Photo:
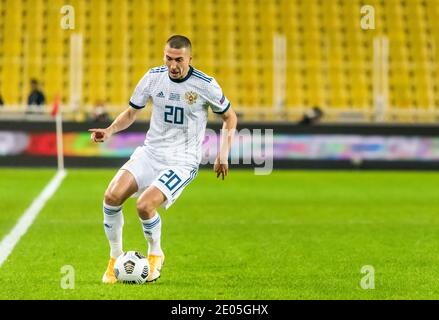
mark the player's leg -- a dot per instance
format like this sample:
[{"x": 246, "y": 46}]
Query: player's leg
[
  {"x": 147, "y": 205},
  {"x": 163, "y": 191},
  {"x": 120, "y": 188}
]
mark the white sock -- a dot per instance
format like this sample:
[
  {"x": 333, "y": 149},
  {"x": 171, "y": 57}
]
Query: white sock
[
  {"x": 113, "y": 224},
  {"x": 152, "y": 229}
]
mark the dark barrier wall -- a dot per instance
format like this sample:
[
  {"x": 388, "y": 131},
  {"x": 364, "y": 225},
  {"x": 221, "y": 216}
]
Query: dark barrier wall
[{"x": 288, "y": 145}]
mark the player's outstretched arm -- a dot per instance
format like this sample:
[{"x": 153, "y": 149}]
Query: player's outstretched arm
[
  {"x": 230, "y": 120},
  {"x": 123, "y": 121}
]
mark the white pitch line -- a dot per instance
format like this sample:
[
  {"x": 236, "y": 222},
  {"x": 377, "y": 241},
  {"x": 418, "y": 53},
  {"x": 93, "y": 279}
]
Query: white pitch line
[{"x": 8, "y": 243}]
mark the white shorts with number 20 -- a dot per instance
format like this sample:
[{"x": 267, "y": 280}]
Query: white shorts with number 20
[{"x": 147, "y": 171}]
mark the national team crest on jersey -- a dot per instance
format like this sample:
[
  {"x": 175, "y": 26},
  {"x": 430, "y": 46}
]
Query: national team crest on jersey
[{"x": 190, "y": 97}]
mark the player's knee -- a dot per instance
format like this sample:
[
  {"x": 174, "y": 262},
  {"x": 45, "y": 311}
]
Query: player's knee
[
  {"x": 112, "y": 198},
  {"x": 145, "y": 208}
]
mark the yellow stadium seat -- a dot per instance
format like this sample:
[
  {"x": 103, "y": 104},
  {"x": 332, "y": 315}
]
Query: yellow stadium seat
[{"x": 328, "y": 58}]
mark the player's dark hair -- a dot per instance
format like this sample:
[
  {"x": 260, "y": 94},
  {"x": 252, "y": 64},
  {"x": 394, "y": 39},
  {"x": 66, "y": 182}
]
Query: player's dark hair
[{"x": 178, "y": 42}]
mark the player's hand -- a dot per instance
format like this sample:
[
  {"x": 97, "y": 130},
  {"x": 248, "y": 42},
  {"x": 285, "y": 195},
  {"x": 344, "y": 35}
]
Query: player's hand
[
  {"x": 99, "y": 135},
  {"x": 221, "y": 168}
]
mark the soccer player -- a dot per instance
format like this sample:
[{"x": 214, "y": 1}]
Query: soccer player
[{"x": 158, "y": 171}]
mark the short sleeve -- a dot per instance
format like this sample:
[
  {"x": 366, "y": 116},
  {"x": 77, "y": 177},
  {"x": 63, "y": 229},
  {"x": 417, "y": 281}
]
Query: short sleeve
[
  {"x": 142, "y": 92},
  {"x": 216, "y": 98}
]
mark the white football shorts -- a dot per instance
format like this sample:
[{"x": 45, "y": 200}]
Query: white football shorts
[{"x": 147, "y": 171}]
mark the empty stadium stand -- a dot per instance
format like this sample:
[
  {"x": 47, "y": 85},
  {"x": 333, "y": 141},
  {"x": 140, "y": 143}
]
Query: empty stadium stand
[{"x": 329, "y": 56}]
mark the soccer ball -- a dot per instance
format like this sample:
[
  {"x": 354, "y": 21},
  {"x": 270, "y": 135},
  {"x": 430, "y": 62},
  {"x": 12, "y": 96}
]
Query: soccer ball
[{"x": 131, "y": 267}]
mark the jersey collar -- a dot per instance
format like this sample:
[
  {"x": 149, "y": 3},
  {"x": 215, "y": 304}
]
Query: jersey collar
[{"x": 189, "y": 73}]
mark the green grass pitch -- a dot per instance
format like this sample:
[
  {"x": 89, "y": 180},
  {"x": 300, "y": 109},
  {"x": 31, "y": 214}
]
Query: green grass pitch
[{"x": 288, "y": 235}]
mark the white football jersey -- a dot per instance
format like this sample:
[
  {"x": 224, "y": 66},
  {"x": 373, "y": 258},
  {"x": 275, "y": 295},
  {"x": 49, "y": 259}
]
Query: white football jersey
[{"x": 179, "y": 113}]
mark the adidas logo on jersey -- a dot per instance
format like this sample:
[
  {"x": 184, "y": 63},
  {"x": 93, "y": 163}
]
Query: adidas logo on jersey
[{"x": 160, "y": 95}]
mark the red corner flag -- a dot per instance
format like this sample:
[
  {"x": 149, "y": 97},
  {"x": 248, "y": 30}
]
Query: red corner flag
[{"x": 55, "y": 107}]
